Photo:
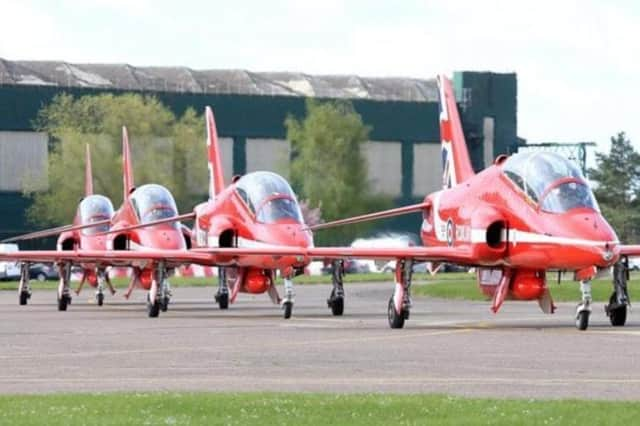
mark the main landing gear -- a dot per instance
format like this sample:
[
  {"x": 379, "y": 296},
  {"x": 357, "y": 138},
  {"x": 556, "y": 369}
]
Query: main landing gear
[
  {"x": 64, "y": 291},
  {"x": 24, "y": 290},
  {"x": 159, "y": 294},
  {"x": 289, "y": 294},
  {"x": 222, "y": 295},
  {"x": 336, "y": 300},
  {"x": 616, "y": 310},
  {"x": 400, "y": 301}
]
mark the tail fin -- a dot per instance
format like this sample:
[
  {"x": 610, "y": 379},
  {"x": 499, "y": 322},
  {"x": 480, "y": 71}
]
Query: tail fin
[
  {"x": 216, "y": 178},
  {"x": 456, "y": 166},
  {"x": 88, "y": 176},
  {"x": 127, "y": 169}
]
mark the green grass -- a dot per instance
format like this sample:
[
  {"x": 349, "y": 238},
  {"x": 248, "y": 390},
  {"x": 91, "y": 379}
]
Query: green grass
[
  {"x": 568, "y": 291},
  {"x": 304, "y": 409},
  {"x": 302, "y": 279}
]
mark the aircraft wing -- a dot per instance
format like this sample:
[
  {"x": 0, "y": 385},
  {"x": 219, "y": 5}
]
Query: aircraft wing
[
  {"x": 433, "y": 254},
  {"x": 207, "y": 256},
  {"x": 630, "y": 250}
]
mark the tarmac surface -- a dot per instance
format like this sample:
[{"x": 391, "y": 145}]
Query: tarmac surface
[{"x": 451, "y": 347}]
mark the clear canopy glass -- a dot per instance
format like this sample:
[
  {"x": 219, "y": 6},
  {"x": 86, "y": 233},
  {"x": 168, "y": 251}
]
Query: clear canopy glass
[
  {"x": 552, "y": 181},
  {"x": 95, "y": 208},
  {"x": 153, "y": 202},
  {"x": 269, "y": 197}
]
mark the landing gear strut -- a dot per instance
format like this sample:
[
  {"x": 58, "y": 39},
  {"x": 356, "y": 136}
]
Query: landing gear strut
[
  {"x": 159, "y": 294},
  {"x": 616, "y": 310},
  {"x": 24, "y": 290},
  {"x": 287, "y": 301},
  {"x": 583, "y": 312},
  {"x": 64, "y": 291},
  {"x": 222, "y": 295},
  {"x": 400, "y": 301},
  {"x": 336, "y": 300}
]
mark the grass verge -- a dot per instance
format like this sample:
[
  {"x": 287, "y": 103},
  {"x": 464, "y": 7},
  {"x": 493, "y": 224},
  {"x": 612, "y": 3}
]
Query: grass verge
[
  {"x": 302, "y": 279},
  {"x": 466, "y": 288},
  {"x": 307, "y": 409}
]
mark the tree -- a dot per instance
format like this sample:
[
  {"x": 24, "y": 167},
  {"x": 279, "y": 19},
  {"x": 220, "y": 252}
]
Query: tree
[
  {"x": 162, "y": 151},
  {"x": 617, "y": 176},
  {"x": 328, "y": 168}
]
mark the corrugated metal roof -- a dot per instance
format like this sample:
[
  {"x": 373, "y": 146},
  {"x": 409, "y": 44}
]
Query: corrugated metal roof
[{"x": 183, "y": 79}]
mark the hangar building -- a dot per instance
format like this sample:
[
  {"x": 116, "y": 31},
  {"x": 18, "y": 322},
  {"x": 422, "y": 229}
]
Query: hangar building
[{"x": 403, "y": 154}]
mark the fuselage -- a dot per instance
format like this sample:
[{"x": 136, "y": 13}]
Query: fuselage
[
  {"x": 259, "y": 210},
  {"x": 510, "y": 222}
]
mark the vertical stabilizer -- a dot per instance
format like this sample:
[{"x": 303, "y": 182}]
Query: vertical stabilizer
[
  {"x": 214, "y": 162},
  {"x": 127, "y": 170},
  {"x": 88, "y": 176},
  {"x": 456, "y": 166}
]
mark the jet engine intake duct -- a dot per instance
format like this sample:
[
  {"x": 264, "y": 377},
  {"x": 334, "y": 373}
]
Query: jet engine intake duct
[
  {"x": 495, "y": 235},
  {"x": 121, "y": 242}
]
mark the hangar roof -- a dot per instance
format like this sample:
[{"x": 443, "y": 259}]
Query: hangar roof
[{"x": 187, "y": 80}]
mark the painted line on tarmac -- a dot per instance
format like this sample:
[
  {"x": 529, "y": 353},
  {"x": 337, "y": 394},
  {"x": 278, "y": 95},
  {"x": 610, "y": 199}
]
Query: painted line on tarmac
[{"x": 279, "y": 381}]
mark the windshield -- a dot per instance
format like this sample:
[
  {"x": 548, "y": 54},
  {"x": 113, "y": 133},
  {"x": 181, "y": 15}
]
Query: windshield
[
  {"x": 550, "y": 180},
  {"x": 153, "y": 202},
  {"x": 95, "y": 208},
  {"x": 269, "y": 197}
]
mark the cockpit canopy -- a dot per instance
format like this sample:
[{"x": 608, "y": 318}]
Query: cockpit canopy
[
  {"x": 550, "y": 180},
  {"x": 95, "y": 208},
  {"x": 269, "y": 197},
  {"x": 153, "y": 202}
]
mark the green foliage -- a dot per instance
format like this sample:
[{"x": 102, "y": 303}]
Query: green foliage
[
  {"x": 163, "y": 151},
  {"x": 304, "y": 409},
  {"x": 618, "y": 187},
  {"x": 329, "y": 169}
]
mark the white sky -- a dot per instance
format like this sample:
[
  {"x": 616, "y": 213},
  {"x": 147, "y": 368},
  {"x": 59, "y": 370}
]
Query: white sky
[{"x": 578, "y": 62}]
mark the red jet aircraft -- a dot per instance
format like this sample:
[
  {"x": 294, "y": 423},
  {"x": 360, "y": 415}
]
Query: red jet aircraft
[
  {"x": 92, "y": 217},
  {"x": 248, "y": 229},
  {"x": 517, "y": 219}
]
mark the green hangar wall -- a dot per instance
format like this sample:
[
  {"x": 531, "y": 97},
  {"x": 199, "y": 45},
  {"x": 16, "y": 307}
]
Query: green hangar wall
[{"x": 403, "y": 153}]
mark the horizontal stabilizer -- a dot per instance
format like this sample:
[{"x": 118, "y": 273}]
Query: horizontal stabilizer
[{"x": 414, "y": 208}]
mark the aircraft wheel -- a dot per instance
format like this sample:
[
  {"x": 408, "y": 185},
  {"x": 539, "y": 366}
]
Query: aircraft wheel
[
  {"x": 100, "y": 299},
  {"x": 164, "y": 305},
  {"x": 153, "y": 309},
  {"x": 24, "y": 298},
  {"x": 223, "y": 300},
  {"x": 582, "y": 320},
  {"x": 396, "y": 320},
  {"x": 337, "y": 306},
  {"x": 63, "y": 302},
  {"x": 288, "y": 309},
  {"x": 617, "y": 316}
]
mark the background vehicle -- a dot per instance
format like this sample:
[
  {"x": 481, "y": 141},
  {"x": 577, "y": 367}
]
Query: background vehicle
[
  {"x": 9, "y": 270},
  {"x": 43, "y": 272}
]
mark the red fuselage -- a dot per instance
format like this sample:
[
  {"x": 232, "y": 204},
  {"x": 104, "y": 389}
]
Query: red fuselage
[{"x": 503, "y": 226}]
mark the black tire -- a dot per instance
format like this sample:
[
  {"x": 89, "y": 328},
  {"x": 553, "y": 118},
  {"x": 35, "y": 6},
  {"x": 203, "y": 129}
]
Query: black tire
[
  {"x": 223, "y": 300},
  {"x": 288, "y": 309},
  {"x": 153, "y": 309},
  {"x": 337, "y": 306},
  {"x": 582, "y": 320},
  {"x": 617, "y": 316},
  {"x": 396, "y": 320},
  {"x": 24, "y": 298},
  {"x": 164, "y": 305},
  {"x": 63, "y": 302},
  {"x": 100, "y": 299}
]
